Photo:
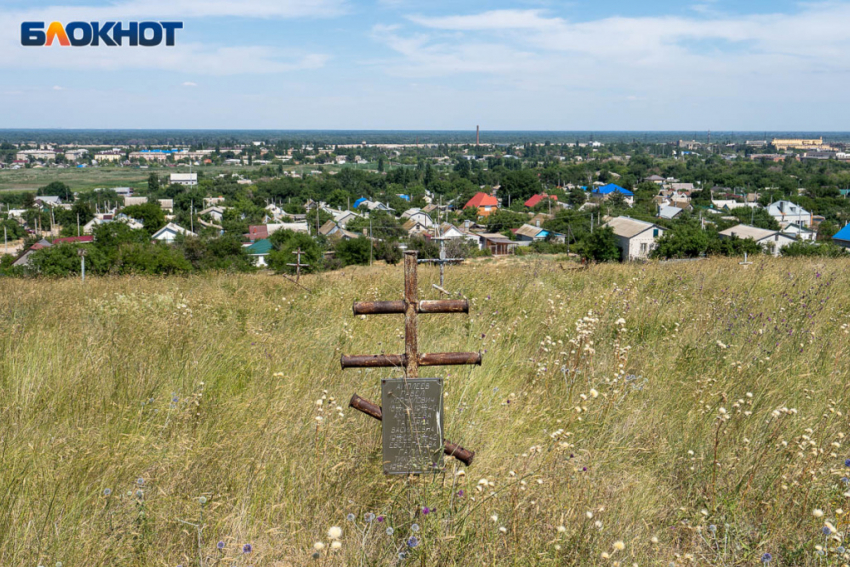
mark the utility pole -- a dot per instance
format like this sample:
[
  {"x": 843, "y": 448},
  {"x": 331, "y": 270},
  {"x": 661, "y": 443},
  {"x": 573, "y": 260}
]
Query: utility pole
[
  {"x": 371, "y": 242},
  {"x": 192, "y": 215},
  {"x": 5, "y": 241},
  {"x": 78, "y": 224}
]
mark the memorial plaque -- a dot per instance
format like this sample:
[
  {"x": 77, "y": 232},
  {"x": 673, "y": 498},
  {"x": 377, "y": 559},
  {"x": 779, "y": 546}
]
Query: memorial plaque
[{"x": 412, "y": 424}]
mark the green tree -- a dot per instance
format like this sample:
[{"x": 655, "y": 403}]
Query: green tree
[
  {"x": 600, "y": 246},
  {"x": 149, "y": 214},
  {"x": 284, "y": 253},
  {"x": 57, "y": 189},
  {"x": 153, "y": 184},
  {"x": 519, "y": 185},
  {"x": 353, "y": 252},
  {"x": 684, "y": 240},
  {"x": 152, "y": 259},
  {"x": 576, "y": 198}
]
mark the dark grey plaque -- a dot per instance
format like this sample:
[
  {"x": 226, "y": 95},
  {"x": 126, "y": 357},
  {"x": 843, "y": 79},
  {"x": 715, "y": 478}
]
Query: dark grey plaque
[{"x": 412, "y": 424}]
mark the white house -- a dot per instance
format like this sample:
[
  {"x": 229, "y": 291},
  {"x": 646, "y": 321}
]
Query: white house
[
  {"x": 635, "y": 238},
  {"x": 170, "y": 231},
  {"x": 48, "y": 200},
  {"x": 798, "y": 231},
  {"x": 215, "y": 213},
  {"x": 187, "y": 179},
  {"x": 419, "y": 216},
  {"x": 732, "y": 204},
  {"x": 98, "y": 220},
  {"x": 771, "y": 240},
  {"x": 669, "y": 212},
  {"x": 786, "y": 211},
  {"x": 344, "y": 217}
]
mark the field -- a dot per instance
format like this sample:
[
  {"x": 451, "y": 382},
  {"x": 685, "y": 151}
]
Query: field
[
  {"x": 661, "y": 414},
  {"x": 96, "y": 177}
]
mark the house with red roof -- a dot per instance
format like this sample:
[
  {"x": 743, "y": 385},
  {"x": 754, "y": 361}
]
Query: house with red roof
[
  {"x": 485, "y": 204},
  {"x": 74, "y": 239},
  {"x": 537, "y": 199}
]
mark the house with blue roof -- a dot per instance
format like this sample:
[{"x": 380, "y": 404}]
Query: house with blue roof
[
  {"x": 607, "y": 191},
  {"x": 360, "y": 201},
  {"x": 842, "y": 238}
]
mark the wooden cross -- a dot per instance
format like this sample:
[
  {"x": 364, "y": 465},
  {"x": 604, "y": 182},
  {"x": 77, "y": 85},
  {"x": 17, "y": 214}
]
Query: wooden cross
[
  {"x": 442, "y": 261},
  {"x": 411, "y": 360},
  {"x": 298, "y": 265}
]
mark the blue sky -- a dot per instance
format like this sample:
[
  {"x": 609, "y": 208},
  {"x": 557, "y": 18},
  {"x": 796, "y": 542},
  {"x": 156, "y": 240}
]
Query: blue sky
[{"x": 404, "y": 64}]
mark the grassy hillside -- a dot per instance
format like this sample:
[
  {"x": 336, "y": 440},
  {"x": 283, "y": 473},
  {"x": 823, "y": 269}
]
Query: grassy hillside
[{"x": 685, "y": 413}]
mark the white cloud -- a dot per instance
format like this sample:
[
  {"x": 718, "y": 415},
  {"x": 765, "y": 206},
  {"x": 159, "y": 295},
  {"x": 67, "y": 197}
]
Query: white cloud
[
  {"x": 190, "y": 84},
  {"x": 185, "y": 9},
  {"x": 194, "y": 57},
  {"x": 58, "y": 88},
  {"x": 666, "y": 50}
]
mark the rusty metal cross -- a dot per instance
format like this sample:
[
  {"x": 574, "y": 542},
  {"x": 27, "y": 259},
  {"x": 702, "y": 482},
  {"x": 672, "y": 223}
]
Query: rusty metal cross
[{"x": 411, "y": 360}]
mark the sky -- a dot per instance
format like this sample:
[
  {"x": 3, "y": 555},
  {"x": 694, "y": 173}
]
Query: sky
[{"x": 752, "y": 65}]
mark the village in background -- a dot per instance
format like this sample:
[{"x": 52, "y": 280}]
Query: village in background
[{"x": 147, "y": 207}]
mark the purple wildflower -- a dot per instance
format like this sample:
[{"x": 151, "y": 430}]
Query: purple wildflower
[
  {"x": 766, "y": 558},
  {"x": 247, "y": 548},
  {"x": 380, "y": 519},
  {"x": 412, "y": 541},
  {"x": 220, "y": 545},
  {"x": 426, "y": 511}
]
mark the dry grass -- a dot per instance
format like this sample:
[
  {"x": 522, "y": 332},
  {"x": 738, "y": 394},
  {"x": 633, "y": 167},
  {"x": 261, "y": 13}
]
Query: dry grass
[{"x": 722, "y": 431}]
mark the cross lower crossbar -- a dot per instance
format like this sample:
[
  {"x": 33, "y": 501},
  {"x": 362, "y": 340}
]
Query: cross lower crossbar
[
  {"x": 399, "y": 307},
  {"x": 400, "y": 360},
  {"x": 373, "y": 410}
]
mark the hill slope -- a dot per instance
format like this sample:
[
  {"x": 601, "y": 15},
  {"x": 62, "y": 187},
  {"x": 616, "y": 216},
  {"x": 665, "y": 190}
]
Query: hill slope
[{"x": 701, "y": 404}]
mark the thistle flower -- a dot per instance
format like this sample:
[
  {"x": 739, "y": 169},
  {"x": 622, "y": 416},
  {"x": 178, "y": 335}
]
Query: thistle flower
[
  {"x": 414, "y": 528},
  {"x": 336, "y": 545},
  {"x": 412, "y": 541},
  {"x": 825, "y": 530},
  {"x": 350, "y": 517},
  {"x": 369, "y": 517},
  {"x": 426, "y": 511},
  {"x": 847, "y": 462},
  {"x": 247, "y": 548},
  {"x": 220, "y": 545},
  {"x": 334, "y": 532},
  {"x": 318, "y": 546},
  {"x": 107, "y": 491},
  {"x": 390, "y": 531},
  {"x": 766, "y": 558},
  {"x": 619, "y": 545},
  {"x": 140, "y": 481}
]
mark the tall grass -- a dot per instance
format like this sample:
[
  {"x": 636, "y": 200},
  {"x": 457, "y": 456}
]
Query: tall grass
[{"x": 693, "y": 413}]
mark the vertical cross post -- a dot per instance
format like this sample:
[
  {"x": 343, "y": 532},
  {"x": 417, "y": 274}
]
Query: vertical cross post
[
  {"x": 298, "y": 264},
  {"x": 411, "y": 303}
]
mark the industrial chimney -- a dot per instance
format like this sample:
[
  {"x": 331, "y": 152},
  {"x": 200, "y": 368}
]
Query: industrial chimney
[{"x": 477, "y": 135}]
